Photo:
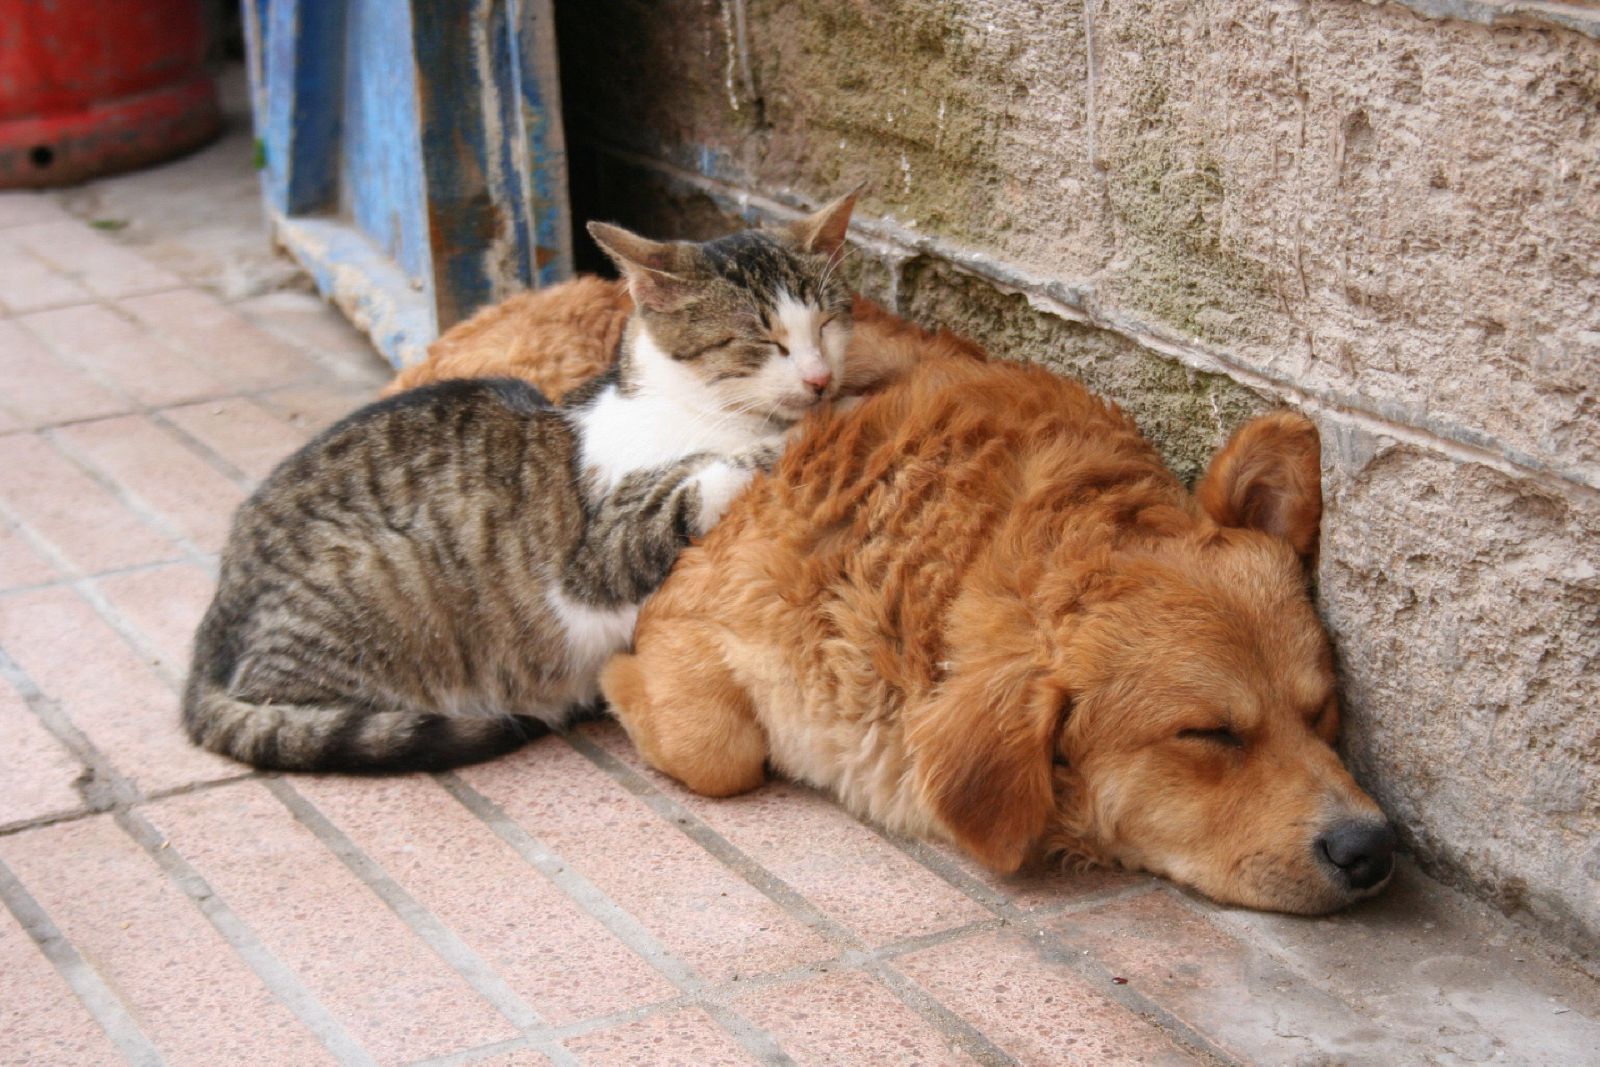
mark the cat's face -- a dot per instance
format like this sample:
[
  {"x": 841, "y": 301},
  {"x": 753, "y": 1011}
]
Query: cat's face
[
  {"x": 761, "y": 319},
  {"x": 766, "y": 326}
]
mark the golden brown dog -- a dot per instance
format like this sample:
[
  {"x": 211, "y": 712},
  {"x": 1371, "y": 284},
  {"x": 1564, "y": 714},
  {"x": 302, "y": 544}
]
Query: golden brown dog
[
  {"x": 980, "y": 608},
  {"x": 560, "y": 337}
]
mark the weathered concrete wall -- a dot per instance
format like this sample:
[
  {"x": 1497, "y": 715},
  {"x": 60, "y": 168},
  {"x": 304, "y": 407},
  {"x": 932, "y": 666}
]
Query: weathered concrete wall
[{"x": 1385, "y": 216}]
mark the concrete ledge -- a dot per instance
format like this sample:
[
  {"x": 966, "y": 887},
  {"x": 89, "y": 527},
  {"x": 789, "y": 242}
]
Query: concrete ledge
[{"x": 1583, "y": 18}]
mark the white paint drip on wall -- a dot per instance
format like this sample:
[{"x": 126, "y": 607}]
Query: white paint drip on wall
[{"x": 733, "y": 54}]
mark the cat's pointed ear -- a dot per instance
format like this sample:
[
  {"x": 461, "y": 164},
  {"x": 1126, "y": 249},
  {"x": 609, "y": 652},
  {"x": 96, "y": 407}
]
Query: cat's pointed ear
[
  {"x": 824, "y": 231},
  {"x": 656, "y": 271}
]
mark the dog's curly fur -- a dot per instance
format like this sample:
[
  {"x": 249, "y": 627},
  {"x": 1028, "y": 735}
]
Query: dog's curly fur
[{"x": 980, "y": 608}]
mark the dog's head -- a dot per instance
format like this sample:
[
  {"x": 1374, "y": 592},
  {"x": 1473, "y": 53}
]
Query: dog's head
[{"x": 1164, "y": 700}]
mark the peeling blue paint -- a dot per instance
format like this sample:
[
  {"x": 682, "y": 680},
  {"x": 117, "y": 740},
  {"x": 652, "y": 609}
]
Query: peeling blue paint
[
  {"x": 381, "y": 186},
  {"x": 544, "y": 149},
  {"x": 300, "y": 133},
  {"x": 418, "y": 143},
  {"x": 361, "y": 279}
]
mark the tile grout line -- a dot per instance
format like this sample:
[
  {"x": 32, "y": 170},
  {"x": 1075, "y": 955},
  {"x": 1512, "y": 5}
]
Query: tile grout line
[
  {"x": 1090, "y": 969},
  {"x": 77, "y": 276},
  {"x": 279, "y": 980},
  {"x": 87, "y": 588},
  {"x": 588, "y": 896},
  {"x": 202, "y": 451},
  {"x": 183, "y": 352},
  {"x": 79, "y": 814},
  {"x": 841, "y": 964},
  {"x": 1052, "y": 948},
  {"x": 14, "y": 314},
  {"x": 101, "y": 787},
  {"x": 710, "y": 994},
  {"x": 131, "y": 635},
  {"x": 951, "y": 1025},
  {"x": 315, "y": 363},
  {"x": 66, "y": 581},
  {"x": 142, "y": 509},
  {"x": 422, "y": 923},
  {"x": 103, "y": 1005},
  {"x": 995, "y": 901},
  {"x": 612, "y": 916},
  {"x": 261, "y": 395},
  {"x": 109, "y": 304},
  {"x": 70, "y": 571},
  {"x": 121, "y": 798}
]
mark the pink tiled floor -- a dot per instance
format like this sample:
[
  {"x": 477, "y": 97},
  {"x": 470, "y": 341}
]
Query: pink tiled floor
[{"x": 564, "y": 904}]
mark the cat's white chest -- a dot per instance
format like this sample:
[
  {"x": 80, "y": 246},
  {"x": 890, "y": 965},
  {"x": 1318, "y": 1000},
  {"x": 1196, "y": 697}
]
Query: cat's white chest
[
  {"x": 623, "y": 434},
  {"x": 668, "y": 412}
]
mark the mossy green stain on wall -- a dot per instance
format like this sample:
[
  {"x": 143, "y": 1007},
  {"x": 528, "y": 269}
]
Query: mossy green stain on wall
[
  {"x": 1168, "y": 196},
  {"x": 892, "y": 93},
  {"x": 1186, "y": 413}
]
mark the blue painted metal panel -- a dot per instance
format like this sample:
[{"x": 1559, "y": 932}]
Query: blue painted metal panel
[
  {"x": 381, "y": 184},
  {"x": 414, "y": 155},
  {"x": 544, "y": 145},
  {"x": 302, "y": 63},
  {"x": 457, "y": 62}
]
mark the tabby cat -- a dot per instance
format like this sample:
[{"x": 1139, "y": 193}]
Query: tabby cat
[{"x": 440, "y": 576}]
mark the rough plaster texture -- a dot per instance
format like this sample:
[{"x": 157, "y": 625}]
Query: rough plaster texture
[{"x": 1385, "y": 214}]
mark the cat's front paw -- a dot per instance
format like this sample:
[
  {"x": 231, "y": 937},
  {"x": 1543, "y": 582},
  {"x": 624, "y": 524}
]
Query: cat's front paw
[
  {"x": 762, "y": 457},
  {"x": 717, "y": 483}
]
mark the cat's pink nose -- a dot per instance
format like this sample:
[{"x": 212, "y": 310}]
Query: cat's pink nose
[{"x": 819, "y": 381}]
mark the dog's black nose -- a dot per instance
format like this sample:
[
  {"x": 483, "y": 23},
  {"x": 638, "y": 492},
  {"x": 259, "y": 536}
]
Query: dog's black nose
[{"x": 1362, "y": 851}]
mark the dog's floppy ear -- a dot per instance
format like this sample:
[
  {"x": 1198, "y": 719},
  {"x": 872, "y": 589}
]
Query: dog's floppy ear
[
  {"x": 983, "y": 752},
  {"x": 1268, "y": 477}
]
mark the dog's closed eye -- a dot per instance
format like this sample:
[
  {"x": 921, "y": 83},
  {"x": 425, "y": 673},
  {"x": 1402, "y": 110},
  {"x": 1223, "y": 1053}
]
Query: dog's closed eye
[{"x": 1220, "y": 735}]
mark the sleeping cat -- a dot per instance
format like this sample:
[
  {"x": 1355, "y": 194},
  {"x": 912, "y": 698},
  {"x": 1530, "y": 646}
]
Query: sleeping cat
[{"x": 440, "y": 576}]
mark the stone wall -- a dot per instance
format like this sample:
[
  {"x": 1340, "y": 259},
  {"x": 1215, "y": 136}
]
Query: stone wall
[{"x": 1387, "y": 215}]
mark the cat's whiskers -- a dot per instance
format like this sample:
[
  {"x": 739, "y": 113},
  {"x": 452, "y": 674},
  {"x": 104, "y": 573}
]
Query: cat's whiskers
[{"x": 730, "y": 414}]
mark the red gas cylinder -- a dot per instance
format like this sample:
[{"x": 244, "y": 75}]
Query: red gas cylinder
[{"x": 93, "y": 86}]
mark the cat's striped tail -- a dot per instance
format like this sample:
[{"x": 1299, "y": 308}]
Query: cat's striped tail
[{"x": 297, "y": 737}]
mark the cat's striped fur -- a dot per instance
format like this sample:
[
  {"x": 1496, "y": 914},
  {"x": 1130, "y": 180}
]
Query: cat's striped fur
[{"x": 440, "y": 576}]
